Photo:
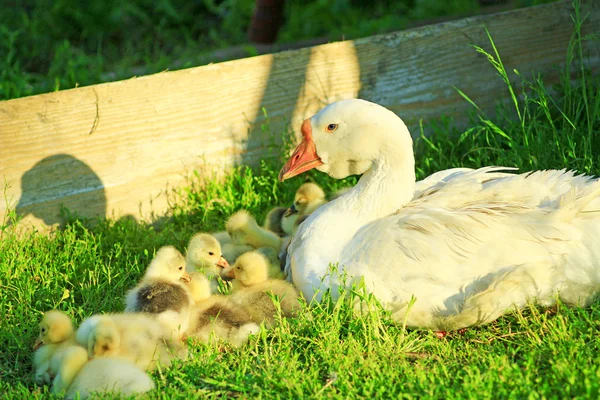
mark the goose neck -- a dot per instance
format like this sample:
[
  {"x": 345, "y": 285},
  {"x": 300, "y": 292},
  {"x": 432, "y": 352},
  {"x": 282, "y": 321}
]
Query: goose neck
[{"x": 387, "y": 186}]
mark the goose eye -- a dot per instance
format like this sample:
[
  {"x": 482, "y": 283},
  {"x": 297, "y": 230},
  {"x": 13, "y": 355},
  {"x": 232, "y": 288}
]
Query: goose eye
[
  {"x": 331, "y": 127},
  {"x": 210, "y": 253}
]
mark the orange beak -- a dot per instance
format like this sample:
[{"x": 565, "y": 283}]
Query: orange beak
[
  {"x": 186, "y": 277},
  {"x": 304, "y": 157},
  {"x": 222, "y": 263},
  {"x": 38, "y": 343}
]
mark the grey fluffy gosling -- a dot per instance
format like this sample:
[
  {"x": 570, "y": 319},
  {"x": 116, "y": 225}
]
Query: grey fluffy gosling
[{"x": 163, "y": 290}]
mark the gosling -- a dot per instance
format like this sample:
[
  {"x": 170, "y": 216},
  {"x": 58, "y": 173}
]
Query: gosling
[
  {"x": 163, "y": 288},
  {"x": 80, "y": 378},
  {"x": 284, "y": 221},
  {"x": 255, "y": 291},
  {"x": 204, "y": 255},
  {"x": 308, "y": 198},
  {"x": 244, "y": 229},
  {"x": 56, "y": 334},
  {"x": 140, "y": 338}
]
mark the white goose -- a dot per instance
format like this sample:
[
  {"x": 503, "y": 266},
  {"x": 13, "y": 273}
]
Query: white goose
[{"x": 468, "y": 244}]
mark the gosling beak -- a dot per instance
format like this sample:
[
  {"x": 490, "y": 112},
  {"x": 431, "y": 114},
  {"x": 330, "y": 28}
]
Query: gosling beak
[
  {"x": 304, "y": 157},
  {"x": 38, "y": 343},
  {"x": 222, "y": 263},
  {"x": 230, "y": 273},
  {"x": 290, "y": 211},
  {"x": 186, "y": 277}
]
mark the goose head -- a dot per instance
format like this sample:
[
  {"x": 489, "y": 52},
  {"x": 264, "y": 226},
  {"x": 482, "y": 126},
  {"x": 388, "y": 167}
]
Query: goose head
[
  {"x": 204, "y": 254},
  {"x": 55, "y": 327},
  {"x": 250, "y": 268},
  {"x": 168, "y": 264},
  {"x": 346, "y": 138}
]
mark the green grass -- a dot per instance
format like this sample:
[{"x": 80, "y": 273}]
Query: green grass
[
  {"x": 49, "y": 46},
  {"x": 326, "y": 352}
]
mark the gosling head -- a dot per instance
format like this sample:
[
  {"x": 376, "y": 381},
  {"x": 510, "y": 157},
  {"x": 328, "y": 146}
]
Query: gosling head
[
  {"x": 204, "y": 255},
  {"x": 105, "y": 338},
  {"x": 168, "y": 264},
  {"x": 307, "y": 197},
  {"x": 250, "y": 268},
  {"x": 55, "y": 327}
]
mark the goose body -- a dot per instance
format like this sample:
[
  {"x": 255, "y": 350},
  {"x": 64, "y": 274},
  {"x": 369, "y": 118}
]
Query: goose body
[{"x": 467, "y": 244}]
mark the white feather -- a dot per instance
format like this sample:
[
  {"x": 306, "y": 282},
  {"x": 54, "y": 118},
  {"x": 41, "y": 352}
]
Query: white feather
[{"x": 468, "y": 244}]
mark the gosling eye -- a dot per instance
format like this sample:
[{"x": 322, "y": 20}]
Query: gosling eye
[
  {"x": 180, "y": 268},
  {"x": 210, "y": 253},
  {"x": 331, "y": 127},
  {"x": 43, "y": 330}
]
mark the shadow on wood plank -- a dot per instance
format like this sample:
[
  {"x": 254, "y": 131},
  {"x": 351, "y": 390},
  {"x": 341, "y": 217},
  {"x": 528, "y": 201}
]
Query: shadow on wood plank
[{"x": 58, "y": 184}]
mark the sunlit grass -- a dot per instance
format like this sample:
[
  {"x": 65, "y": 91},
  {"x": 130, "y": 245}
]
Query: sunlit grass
[{"x": 327, "y": 351}]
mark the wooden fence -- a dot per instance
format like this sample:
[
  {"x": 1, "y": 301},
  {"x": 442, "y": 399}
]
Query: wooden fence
[{"x": 113, "y": 149}]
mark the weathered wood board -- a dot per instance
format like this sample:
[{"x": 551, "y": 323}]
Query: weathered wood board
[{"x": 113, "y": 149}]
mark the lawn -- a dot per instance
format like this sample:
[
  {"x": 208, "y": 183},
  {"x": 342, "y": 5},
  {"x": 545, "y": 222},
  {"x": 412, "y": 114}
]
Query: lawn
[{"x": 88, "y": 266}]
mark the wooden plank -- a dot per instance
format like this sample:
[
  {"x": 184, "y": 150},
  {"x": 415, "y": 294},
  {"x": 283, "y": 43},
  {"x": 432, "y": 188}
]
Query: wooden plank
[{"x": 113, "y": 149}]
